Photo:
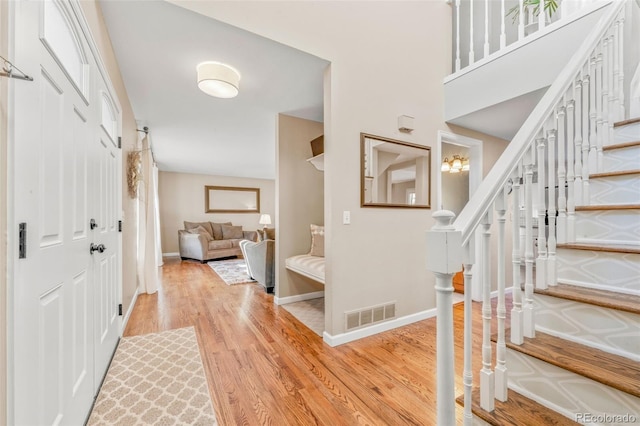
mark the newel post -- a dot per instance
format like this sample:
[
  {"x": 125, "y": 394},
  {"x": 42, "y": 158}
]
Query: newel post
[{"x": 444, "y": 259}]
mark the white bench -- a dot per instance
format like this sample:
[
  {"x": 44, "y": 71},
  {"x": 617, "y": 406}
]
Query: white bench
[{"x": 309, "y": 266}]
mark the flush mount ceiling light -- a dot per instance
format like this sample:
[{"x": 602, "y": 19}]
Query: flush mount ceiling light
[{"x": 218, "y": 79}]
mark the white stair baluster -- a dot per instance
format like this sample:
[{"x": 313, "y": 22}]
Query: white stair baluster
[
  {"x": 469, "y": 260},
  {"x": 541, "y": 260},
  {"x": 501, "y": 310},
  {"x": 560, "y": 235},
  {"x": 615, "y": 91},
  {"x": 529, "y": 320},
  {"x": 604, "y": 79},
  {"x": 578, "y": 142},
  {"x": 593, "y": 152},
  {"x": 621, "y": 112},
  {"x": 611, "y": 110},
  {"x": 589, "y": 165},
  {"x": 486, "y": 28},
  {"x": 521, "y": 20},
  {"x": 458, "y": 35},
  {"x": 517, "y": 323},
  {"x": 588, "y": 132},
  {"x": 487, "y": 381},
  {"x": 503, "y": 34},
  {"x": 550, "y": 279},
  {"x": 471, "y": 53},
  {"x": 570, "y": 231},
  {"x": 541, "y": 16}
]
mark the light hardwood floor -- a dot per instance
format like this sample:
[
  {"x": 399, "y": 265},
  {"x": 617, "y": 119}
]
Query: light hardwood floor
[{"x": 265, "y": 368}]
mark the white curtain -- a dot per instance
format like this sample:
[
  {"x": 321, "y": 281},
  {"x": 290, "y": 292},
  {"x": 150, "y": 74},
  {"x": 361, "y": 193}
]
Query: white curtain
[{"x": 148, "y": 223}]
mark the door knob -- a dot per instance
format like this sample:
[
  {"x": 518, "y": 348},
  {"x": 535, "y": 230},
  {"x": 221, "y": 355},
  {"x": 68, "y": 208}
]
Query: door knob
[{"x": 100, "y": 248}]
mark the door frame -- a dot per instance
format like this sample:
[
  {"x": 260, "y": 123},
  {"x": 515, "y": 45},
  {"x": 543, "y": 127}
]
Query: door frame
[
  {"x": 476, "y": 174},
  {"x": 4, "y": 198}
]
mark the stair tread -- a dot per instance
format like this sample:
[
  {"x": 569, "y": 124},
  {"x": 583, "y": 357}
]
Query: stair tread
[
  {"x": 608, "y": 207},
  {"x": 612, "y": 370},
  {"x": 593, "y": 296},
  {"x": 613, "y": 248},
  {"x": 626, "y": 122},
  {"x": 621, "y": 145},
  {"x": 517, "y": 410},
  {"x": 618, "y": 173}
]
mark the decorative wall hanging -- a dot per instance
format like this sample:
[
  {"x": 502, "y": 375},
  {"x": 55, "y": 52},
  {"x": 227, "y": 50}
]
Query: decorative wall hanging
[{"x": 134, "y": 172}]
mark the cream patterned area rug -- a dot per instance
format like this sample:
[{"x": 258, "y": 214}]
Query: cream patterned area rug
[
  {"x": 233, "y": 271},
  {"x": 155, "y": 379},
  {"x": 309, "y": 312}
]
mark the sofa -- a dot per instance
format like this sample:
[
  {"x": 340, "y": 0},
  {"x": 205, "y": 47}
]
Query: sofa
[{"x": 206, "y": 241}]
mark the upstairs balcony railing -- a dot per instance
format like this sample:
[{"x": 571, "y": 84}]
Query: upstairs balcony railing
[
  {"x": 562, "y": 143},
  {"x": 487, "y": 27}
]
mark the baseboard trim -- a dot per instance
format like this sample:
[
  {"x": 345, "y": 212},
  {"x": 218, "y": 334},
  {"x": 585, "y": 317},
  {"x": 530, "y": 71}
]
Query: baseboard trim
[
  {"x": 171, "y": 254},
  {"x": 298, "y": 298},
  {"x": 350, "y": 336},
  {"x": 125, "y": 320}
]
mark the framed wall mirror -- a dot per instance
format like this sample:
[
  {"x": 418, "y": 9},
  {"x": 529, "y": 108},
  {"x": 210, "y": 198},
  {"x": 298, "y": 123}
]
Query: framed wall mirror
[
  {"x": 230, "y": 199},
  {"x": 394, "y": 173}
]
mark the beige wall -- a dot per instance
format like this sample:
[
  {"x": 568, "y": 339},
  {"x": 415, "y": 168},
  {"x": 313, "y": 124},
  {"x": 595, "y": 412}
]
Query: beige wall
[
  {"x": 300, "y": 200},
  {"x": 388, "y": 58},
  {"x": 182, "y": 198},
  {"x": 98, "y": 29}
]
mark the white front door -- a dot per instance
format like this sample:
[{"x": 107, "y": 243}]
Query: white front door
[
  {"x": 63, "y": 176},
  {"x": 106, "y": 172}
]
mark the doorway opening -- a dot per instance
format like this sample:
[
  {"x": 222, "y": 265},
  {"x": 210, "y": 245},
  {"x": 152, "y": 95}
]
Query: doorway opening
[{"x": 453, "y": 190}]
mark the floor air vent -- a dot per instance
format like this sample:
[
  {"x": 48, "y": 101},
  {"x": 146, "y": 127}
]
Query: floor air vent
[{"x": 371, "y": 315}]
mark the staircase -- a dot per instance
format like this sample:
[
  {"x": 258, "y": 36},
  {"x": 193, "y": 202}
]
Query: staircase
[
  {"x": 568, "y": 184},
  {"x": 584, "y": 361}
]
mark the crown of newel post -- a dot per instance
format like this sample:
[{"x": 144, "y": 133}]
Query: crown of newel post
[
  {"x": 444, "y": 258},
  {"x": 444, "y": 244}
]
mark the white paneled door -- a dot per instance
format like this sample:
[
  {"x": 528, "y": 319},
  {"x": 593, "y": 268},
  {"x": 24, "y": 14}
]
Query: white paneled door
[{"x": 66, "y": 173}]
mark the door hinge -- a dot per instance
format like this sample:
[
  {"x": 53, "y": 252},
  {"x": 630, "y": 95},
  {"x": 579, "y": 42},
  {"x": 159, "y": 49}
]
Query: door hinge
[
  {"x": 119, "y": 141},
  {"x": 22, "y": 240},
  {"x": 120, "y": 309},
  {"x": 119, "y": 226}
]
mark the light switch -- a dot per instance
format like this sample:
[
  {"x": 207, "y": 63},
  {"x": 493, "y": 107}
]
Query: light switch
[{"x": 346, "y": 217}]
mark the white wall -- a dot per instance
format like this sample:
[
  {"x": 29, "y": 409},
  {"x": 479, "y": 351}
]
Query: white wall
[{"x": 182, "y": 199}]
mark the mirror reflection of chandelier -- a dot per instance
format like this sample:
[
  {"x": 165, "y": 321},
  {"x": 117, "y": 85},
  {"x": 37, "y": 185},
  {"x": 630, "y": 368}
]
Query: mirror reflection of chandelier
[{"x": 456, "y": 165}]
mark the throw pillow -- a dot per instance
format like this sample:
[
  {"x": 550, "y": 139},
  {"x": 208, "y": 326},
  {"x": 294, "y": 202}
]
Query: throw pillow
[
  {"x": 317, "y": 240},
  {"x": 271, "y": 233},
  {"x": 205, "y": 225},
  {"x": 230, "y": 232},
  {"x": 201, "y": 230},
  {"x": 217, "y": 229}
]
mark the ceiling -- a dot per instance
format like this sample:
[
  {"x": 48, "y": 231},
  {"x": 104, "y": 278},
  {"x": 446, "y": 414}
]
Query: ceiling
[{"x": 158, "y": 46}]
